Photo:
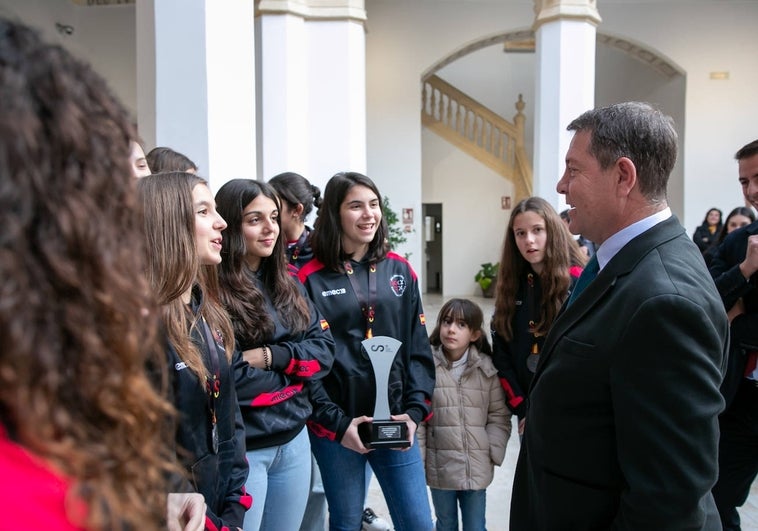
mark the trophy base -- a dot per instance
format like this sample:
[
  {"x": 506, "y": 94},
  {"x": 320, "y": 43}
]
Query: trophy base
[{"x": 384, "y": 434}]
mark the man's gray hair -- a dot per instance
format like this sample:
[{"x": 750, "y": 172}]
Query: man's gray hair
[{"x": 639, "y": 132}]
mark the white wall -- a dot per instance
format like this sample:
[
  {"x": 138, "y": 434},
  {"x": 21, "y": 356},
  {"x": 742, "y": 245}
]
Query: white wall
[
  {"x": 103, "y": 35},
  {"x": 473, "y": 222}
]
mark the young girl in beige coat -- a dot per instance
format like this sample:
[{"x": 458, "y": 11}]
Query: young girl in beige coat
[{"x": 467, "y": 435}]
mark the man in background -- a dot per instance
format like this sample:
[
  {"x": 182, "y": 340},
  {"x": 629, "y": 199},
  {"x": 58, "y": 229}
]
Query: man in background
[{"x": 733, "y": 268}]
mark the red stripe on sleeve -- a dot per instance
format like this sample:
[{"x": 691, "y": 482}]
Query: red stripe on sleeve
[
  {"x": 269, "y": 399},
  {"x": 246, "y": 501},
  {"x": 320, "y": 431},
  {"x": 303, "y": 368},
  {"x": 510, "y": 396},
  {"x": 209, "y": 525}
]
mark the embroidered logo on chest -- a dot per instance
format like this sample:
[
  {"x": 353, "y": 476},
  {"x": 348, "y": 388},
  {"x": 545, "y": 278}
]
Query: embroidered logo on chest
[{"x": 397, "y": 284}]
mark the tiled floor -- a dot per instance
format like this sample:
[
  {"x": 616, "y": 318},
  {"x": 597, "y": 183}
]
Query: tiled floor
[{"x": 499, "y": 492}]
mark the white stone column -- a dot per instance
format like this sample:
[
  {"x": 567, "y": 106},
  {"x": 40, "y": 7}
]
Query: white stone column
[
  {"x": 196, "y": 83},
  {"x": 312, "y": 73},
  {"x": 565, "y": 85}
]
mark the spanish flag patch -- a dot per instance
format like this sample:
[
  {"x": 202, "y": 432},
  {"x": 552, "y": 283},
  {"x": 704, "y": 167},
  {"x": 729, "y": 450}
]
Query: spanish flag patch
[
  {"x": 422, "y": 318},
  {"x": 324, "y": 324}
]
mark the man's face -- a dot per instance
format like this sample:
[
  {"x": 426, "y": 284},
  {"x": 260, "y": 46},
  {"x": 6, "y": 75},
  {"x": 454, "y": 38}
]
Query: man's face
[
  {"x": 589, "y": 191},
  {"x": 748, "y": 171}
]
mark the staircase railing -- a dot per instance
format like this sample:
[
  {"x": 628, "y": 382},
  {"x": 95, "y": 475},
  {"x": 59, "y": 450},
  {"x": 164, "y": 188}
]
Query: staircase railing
[{"x": 480, "y": 132}]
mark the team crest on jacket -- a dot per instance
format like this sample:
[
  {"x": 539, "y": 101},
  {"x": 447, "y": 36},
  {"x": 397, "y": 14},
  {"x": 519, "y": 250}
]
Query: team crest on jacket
[{"x": 397, "y": 283}]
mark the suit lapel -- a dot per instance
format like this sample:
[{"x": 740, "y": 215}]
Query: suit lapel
[{"x": 620, "y": 265}]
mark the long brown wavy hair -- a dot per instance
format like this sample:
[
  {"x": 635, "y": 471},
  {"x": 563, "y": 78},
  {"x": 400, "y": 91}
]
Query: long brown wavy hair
[
  {"x": 76, "y": 322},
  {"x": 554, "y": 278},
  {"x": 174, "y": 267},
  {"x": 253, "y": 325}
]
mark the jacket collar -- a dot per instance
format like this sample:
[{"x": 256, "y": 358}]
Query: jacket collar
[
  {"x": 475, "y": 359},
  {"x": 620, "y": 265}
]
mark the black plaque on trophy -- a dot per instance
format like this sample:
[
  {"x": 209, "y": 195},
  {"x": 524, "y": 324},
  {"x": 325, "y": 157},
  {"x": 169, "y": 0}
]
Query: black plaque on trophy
[{"x": 383, "y": 432}]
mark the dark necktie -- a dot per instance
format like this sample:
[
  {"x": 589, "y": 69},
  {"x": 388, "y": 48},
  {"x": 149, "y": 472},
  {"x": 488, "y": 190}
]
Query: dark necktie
[{"x": 588, "y": 275}]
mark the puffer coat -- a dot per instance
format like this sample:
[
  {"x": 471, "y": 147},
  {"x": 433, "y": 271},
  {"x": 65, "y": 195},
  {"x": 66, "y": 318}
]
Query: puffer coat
[{"x": 466, "y": 437}]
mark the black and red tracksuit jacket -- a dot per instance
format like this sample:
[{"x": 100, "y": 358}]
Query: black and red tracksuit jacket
[
  {"x": 219, "y": 476},
  {"x": 510, "y": 357},
  {"x": 276, "y": 404},
  {"x": 349, "y": 390}
]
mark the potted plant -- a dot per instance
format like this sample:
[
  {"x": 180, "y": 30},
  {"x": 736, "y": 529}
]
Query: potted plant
[{"x": 486, "y": 277}]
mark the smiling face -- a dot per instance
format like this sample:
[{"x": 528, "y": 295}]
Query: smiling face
[
  {"x": 590, "y": 191},
  {"x": 360, "y": 216},
  {"x": 531, "y": 238},
  {"x": 260, "y": 228},
  {"x": 208, "y": 226},
  {"x": 713, "y": 217},
  {"x": 748, "y": 168}
]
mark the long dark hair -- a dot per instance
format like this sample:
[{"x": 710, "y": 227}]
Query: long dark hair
[
  {"x": 239, "y": 292},
  {"x": 555, "y": 277},
  {"x": 470, "y": 313},
  {"x": 721, "y": 218},
  {"x": 326, "y": 238},
  {"x": 77, "y": 322},
  {"x": 295, "y": 189},
  {"x": 739, "y": 211}
]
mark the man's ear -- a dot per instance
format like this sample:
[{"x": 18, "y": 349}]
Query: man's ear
[{"x": 627, "y": 175}]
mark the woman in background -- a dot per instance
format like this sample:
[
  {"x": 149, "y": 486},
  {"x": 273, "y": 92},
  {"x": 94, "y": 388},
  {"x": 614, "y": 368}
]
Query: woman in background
[
  {"x": 164, "y": 159},
  {"x": 298, "y": 199},
  {"x": 183, "y": 234},
  {"x": 137, "y": 160},
  {"x": 706, "y": 234},
  {"x": 536, "y": 274},
  {"x": 737, "y": 218}
]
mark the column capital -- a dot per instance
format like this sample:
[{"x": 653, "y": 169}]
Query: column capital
[
  {"x": 314, "y": 9},
  {"x": 549, "y": 10}
]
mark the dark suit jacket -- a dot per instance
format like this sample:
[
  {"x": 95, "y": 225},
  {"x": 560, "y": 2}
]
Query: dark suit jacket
[
  {"x": 724, "y": 268},
  {"x": 621, "y": 428}
]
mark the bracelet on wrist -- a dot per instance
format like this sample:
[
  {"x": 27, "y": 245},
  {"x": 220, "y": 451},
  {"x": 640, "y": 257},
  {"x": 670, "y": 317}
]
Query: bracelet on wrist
[{"x": 266, "y": 357}]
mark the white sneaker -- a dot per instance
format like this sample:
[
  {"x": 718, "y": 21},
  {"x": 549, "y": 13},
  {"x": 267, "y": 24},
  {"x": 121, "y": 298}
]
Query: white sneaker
[{"x": 371, "y": 522}]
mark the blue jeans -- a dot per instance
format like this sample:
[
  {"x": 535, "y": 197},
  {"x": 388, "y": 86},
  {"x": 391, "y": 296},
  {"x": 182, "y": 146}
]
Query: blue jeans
[
  {"x": 400, "y": 475},
  {"x": 314, "y": 518},
  {"x": 473, "y": 506},
  {"x": 279, "y": 480}
]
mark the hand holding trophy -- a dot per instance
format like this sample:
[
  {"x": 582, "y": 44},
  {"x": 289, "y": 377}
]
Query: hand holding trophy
[{"x": 382, "y": 432}]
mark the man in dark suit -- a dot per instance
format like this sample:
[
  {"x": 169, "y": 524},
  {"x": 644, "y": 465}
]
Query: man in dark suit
[
  {"x": 621, "y": 428},
  {"x": 734, "y": 268}
]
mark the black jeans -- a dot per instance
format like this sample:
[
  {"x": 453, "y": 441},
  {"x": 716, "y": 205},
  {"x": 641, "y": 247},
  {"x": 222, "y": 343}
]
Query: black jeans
[{"x": 738, "y": 454}]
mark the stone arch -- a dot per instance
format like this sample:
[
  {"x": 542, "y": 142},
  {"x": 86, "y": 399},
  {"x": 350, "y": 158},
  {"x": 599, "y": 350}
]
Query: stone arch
[{"x": 521, "y": 38}]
